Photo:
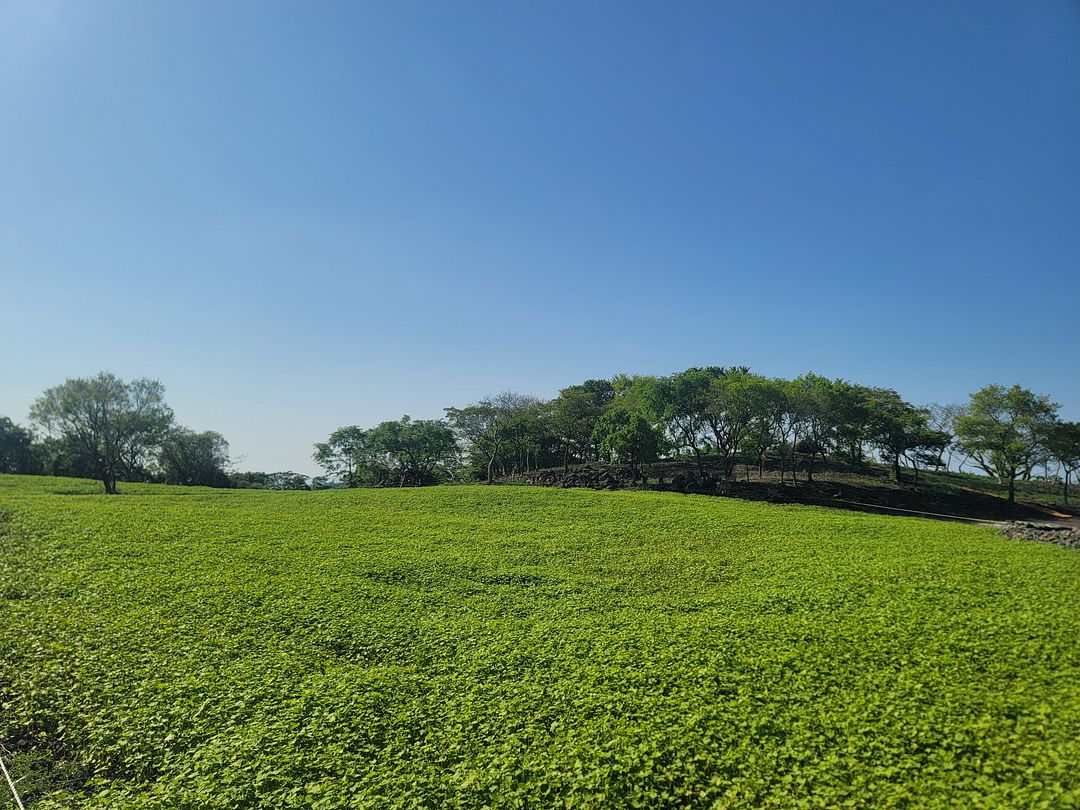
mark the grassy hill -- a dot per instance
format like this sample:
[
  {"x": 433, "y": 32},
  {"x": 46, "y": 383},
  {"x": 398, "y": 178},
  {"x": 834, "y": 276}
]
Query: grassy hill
[{"x": 525, "y": 647}]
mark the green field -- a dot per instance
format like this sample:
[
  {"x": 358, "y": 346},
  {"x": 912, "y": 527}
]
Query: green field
[{"x": 526, "y": 647}]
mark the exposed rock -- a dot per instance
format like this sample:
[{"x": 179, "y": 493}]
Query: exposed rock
[
  {"x": 593, "y": 477},
  {"x": 1043, "y": 533}
]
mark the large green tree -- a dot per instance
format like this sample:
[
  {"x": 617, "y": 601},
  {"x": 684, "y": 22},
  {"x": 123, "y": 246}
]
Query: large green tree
[
  {"x": 816, "y": 416},
  {"x": 728, "y": 411},
  {"x": 402, "y": 452},
  {"x": 627, "y": 437},
  {"x": 529, "y": 437},
  {"x": 900, "y": 430},
  {"x": 1005, "y": 430},
  {"x": 113, "y": 427},
  {"x": 413, "y": 452},
  {"x": 767, "y": 406},
  {"x": 342, "y": 454},
  {"x": 679, "y": 403},
  {"x": 574, "y": 414},
  {"x": 484, "y": 427}
]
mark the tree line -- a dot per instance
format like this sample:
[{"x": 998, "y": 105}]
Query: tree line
[
  {"x": 112, "y": 430},
  {"x": 725, "y": 413}
]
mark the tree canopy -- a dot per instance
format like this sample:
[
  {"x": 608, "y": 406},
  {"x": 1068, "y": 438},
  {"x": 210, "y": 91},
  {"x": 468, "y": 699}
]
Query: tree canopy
[
  {"x": 17, "y": 449},
  {"x": 404, "y": 452},
  {"x": 1005, "y": 430},
  {"x": 113, "y": 427},
  {"x": 194, "y": 459}
]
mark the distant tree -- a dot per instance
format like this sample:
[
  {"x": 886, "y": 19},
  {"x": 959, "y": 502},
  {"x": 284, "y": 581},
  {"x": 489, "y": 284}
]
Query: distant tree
[
  {"x": 574, "y": 414},
  {"x": 287, "y": 479},
  {"x": 113, "y": 427},
  {"x": 284, "y": 480},
  {"x": 792, "y": 428},
  {"x": 728, "y": 411},
  {"x": 816, "y": 416},
  {"x": 194, "y": 459},
  {"x": 249, "y": 480},
  {"x": 415, "y": 453},
  {"x": 900, "y": 430},
  {"x": 1063, "y": 443},
  {"x": 483, "y": 426},
  {"x": 943, "y": 420},
  {"x": 17, "y": 450},
  {"x": 341, "y": 454},
  {"x": 1005, "y": 430},
  {"x": 679, "y": 403},
  {"x": 627, "y": 437},
  {"x": 58, "y": 456},
  {"x": 767, "y": 405},
  {"x": 851, "y": 417},
  {"x": 529, "y": 437}
]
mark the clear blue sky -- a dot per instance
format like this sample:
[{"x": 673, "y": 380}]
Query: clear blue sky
[{"x": 304, "y": 215}]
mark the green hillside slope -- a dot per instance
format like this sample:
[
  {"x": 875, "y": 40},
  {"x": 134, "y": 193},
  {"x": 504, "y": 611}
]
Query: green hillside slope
[{"x": 526, "y": 647}]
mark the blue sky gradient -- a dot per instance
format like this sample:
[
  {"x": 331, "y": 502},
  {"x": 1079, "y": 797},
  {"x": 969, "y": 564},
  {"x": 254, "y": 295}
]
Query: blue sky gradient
[{"x": 300, "y": 216}]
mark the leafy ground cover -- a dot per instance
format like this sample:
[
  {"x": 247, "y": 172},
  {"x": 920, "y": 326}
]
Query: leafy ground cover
[{"x": 526, "y": 647}]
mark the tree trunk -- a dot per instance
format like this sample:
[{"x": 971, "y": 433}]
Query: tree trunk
[
  {"x": 491, "y": 470},
  {"x": 896, "y": 469},
  {"x": 1012, "y": 488},
  {"x": 1066, "y": 487},
  {"x": 700, "y": 463}
]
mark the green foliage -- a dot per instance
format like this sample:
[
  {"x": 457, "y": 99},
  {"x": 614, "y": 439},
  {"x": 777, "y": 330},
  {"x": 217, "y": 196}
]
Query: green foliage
[
  {"x": 405, "y": 452},
  {"x": 768, "y": 403},
  {"x": 112, "y": 427},
  {"x": 1063, "y": 444},
  {"x": 522, "y": 647},
  {"x": 627, "y": 438},
  {"x": 728, "y": 410},
  {"x": 17, "y": 449},
  {"x": 1005, "y": 430},
  {"x": 574, "y": 416},
  {"x": 898, "y": 429},
  {"x": 412, "y": 453},
  {"x": 679, "y": 403},
  {"x": 342, "y": 453},
  {"x": 194, "y": 459},
  {"x": 283, "y": 480},
  {"x": 814, "y": 414},
  {"x": 499, "y": 432}
]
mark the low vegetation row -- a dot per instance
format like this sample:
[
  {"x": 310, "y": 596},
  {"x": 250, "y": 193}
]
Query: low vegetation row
[{"x": 113, "y": 430}]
